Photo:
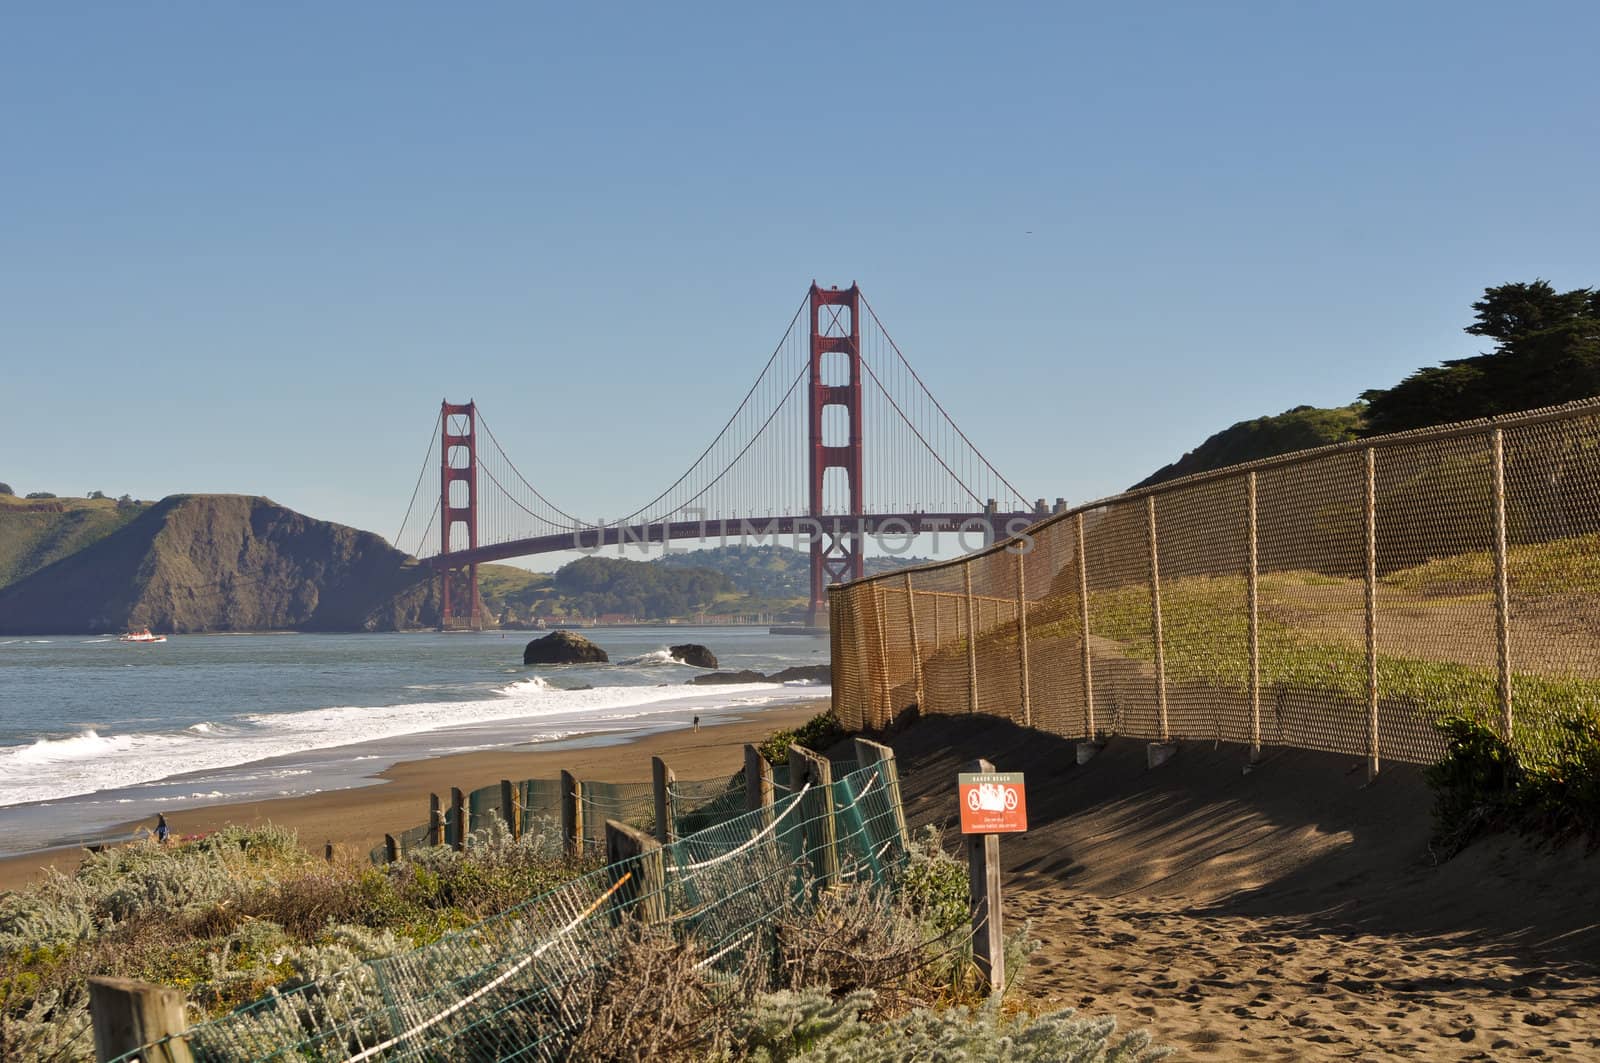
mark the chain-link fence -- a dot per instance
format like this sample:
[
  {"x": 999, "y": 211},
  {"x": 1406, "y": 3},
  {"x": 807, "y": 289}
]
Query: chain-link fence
[{"x": 1340, "y": 599}]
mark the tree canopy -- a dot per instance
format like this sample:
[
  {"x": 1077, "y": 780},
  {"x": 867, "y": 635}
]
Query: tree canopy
[
  {"x": 601, "y": 585},
  {"x": 1546, "y": 351}
]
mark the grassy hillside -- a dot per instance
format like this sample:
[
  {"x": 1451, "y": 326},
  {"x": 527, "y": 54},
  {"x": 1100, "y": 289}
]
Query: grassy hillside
[
  {"x": 1265, "y": 437},
  {"x": 39, "y": 532},
  {"x": 724, "y": 581},
  {"x": 192, "y": 563}
]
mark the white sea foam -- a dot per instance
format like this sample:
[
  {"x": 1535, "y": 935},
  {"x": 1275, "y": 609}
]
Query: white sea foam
[
  {"x": 654, "y": 658},
  {"x": 53, "y": 768}
]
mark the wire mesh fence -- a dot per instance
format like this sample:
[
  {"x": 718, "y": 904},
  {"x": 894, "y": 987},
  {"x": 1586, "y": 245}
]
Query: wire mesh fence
[
  {"x": 519, "y": 985},
  {"x": 1341, "y": 599}
]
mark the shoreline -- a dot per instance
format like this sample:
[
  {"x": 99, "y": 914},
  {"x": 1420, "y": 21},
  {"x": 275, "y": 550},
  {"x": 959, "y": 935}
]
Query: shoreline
[{"x": 355, "y": 819}]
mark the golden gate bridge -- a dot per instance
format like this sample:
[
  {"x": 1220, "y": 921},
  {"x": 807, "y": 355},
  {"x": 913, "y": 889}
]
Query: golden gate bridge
[{"x": 837, "y": 441}]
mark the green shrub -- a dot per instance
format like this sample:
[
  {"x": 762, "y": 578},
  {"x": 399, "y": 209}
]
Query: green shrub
[
  {"x": 1563, "y": 793},
  {"x": 935, "y": 884},
  {"x": 816, "y": 734},
  {"x": 1481, "y": 784},
  {"x": 813, "y": 1027}
]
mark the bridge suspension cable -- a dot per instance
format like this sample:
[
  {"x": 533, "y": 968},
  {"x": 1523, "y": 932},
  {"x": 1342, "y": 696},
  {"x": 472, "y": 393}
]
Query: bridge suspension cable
[
  {"x": 913, "y": 457},
  {"x": 414, "y": 543},
  {"x": 768, "y": 402},
  {"x": 903, "y": 419}
]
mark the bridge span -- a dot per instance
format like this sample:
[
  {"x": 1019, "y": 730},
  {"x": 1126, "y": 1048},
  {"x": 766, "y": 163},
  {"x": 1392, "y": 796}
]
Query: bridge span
[{"x": 839, "y": 440}]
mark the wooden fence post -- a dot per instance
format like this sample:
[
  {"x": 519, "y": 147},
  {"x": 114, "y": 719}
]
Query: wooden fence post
[
  {"x": 129, "y": 1015},
  {"x": 511, "y": 807},
  {"x": 820, "y": 833},
  {"x": 1502, "y": 589},
  {"x": 391, "y": 849},
  {"x": 458, "y": 812},
  {"x": 630, "y": 849},
  {"x": 435, "y": 820},
  {"x": 871, "y": 754},
  {"x": 758, "y": 784},
  {"x": 661, "y": 780},
  {"x": 988, "y": 922},
  {"x": 571, "y": 814},
  {"x": 1372, "y": 612}
]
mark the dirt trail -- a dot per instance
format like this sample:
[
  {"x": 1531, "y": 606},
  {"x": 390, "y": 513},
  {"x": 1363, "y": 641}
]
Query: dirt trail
[{"x": 1291, "y": 912}]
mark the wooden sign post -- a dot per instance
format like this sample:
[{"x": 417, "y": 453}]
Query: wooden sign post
[{"x": 992, "y": 803}]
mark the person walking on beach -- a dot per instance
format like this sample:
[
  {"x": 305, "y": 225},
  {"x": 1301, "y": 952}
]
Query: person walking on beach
[
  {"x": 163, "y": 832},
  {"x": 697, "y": 725}
]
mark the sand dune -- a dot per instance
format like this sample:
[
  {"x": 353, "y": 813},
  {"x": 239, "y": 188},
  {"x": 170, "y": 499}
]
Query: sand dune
[{"x": 1291, "y": 912}]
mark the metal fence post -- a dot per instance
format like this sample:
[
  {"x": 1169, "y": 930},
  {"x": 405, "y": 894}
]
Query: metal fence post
[
  {"x": 1253, "y": 600},
  {"x": 1088, "y": 658},
  {"x": 1502, "y": 588},
  {"x": 1022, "y": 640},
  {"x": 1372, "y": 612},
  {"x": 972, "y": 645},
  {"x": 1155, "y": 620},
  {"x": 916, "y": 643},
  {"x": 883, "y": 658}
]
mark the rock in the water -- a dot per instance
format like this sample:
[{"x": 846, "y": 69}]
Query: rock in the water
[
  {"x": 815, "y": 673},
  {"x": 725, "y": 678},
  {"x": 695, "y": 654},
  {"x": 563, "y": 647}
]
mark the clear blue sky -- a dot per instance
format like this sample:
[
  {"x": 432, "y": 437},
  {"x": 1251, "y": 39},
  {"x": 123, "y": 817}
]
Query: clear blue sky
[{"x": 250, "y": 247}]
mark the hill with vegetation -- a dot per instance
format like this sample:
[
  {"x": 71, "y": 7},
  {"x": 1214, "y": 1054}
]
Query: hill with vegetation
[
  {"x": 195, "y": 563},
  {"x": 721, "y": 581},
  {"x": 1546, "y": 351},
  {"x": 1297, "y": 429},
  {"x": 39, "y": 531}
]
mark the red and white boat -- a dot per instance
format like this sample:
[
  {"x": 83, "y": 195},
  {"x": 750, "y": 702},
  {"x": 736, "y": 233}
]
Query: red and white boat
[{"x": 143, "y": 635}]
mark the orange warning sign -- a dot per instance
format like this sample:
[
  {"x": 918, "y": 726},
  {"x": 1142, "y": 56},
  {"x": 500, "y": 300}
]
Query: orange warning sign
[{"x": 992, "y": 802}]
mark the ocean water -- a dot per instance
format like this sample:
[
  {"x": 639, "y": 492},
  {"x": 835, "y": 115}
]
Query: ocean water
[{"x": 96, "y": 732}]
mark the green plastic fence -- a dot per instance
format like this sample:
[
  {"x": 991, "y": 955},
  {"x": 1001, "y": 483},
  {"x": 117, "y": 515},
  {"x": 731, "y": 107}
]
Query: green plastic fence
[{"x": 508, "y": 988}]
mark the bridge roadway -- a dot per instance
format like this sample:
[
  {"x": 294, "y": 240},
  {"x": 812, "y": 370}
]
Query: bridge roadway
[{"x": 755, "y": 530}]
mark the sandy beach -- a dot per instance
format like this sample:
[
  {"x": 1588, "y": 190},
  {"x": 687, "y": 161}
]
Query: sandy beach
[
  {"x": 355, "y": 820},
  {"x": 1291, "y": 912}
]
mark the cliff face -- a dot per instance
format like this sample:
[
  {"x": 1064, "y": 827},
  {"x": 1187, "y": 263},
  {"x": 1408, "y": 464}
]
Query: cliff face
[{"x": 194, "y": 563}]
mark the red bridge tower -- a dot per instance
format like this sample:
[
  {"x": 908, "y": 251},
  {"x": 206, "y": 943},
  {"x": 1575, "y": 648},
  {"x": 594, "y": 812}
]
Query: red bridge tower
[
  {"x": 458, "y": 463},
  {"x": 836, "y": 553}
]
